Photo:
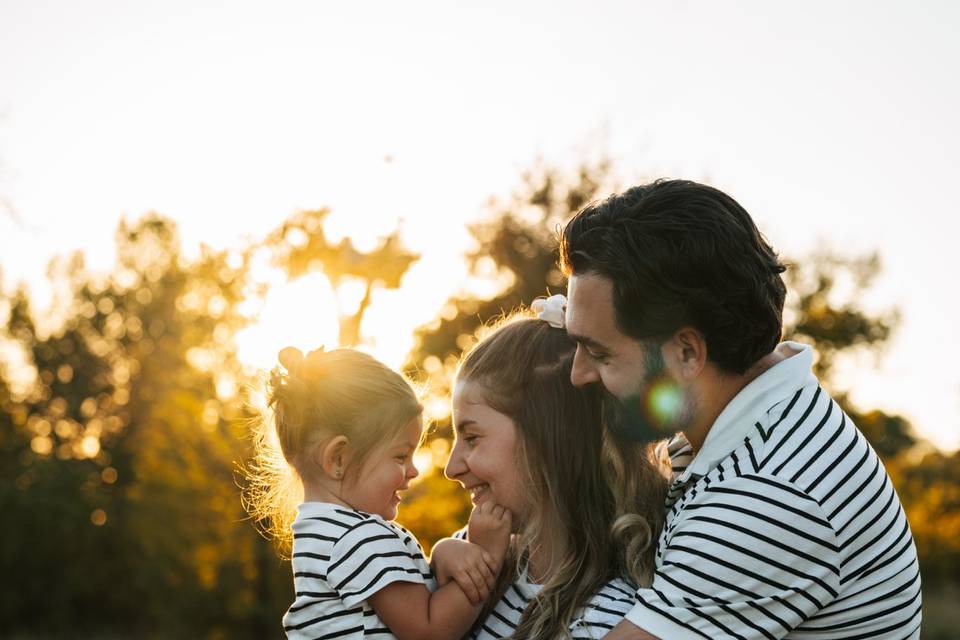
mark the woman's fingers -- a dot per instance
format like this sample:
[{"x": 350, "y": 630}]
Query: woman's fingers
[
  {"x": 485, "y": 572},
  {"x": 489, "y": 563},
  {"x": 483, "y": 591},
  {"x": 469, "y": 587}
]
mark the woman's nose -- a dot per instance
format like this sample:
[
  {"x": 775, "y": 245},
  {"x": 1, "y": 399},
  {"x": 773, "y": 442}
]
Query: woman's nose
[{"x": 455, "y": 464}]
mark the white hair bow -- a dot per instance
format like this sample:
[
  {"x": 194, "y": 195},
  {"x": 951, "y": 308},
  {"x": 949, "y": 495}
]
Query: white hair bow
[{"x": 551, "y": 309}]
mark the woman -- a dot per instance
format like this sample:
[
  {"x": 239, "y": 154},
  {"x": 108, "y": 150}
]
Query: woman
[{"x": 532, "y": 442}]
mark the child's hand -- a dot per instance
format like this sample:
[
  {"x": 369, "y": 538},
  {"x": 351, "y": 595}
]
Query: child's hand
[
  {"x": 468, "y": 565},
  {"x": 490, "y": 526}
]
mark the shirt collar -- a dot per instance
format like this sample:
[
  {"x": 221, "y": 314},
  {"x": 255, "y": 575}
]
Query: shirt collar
[{"x": 736, "y": 420}]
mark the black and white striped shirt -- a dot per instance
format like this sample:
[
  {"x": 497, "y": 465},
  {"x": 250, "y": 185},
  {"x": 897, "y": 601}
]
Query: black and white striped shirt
[
  {"x": 594, "y": 620},
  {"x": 601, "y": 614},
  {"x": 784, "y": 525},
  {"x": 340, "y": 558}
]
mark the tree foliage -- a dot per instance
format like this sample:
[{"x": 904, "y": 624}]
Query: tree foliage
[
  {"x": 516, "y": 251},
  {"x": 300, "y": 246},
  {"x": 120, "y": 456}
]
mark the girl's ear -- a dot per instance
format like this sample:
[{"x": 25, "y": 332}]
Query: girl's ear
[{"x": 333, "y": 457}]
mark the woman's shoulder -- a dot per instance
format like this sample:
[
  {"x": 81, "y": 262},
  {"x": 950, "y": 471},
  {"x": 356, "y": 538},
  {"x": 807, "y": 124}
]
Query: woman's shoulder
[
  {"x": 604, "y": 610},
  {"x": 616, "y": 590}
]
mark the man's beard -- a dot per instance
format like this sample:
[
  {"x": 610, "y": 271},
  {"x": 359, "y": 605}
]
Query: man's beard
[{"x": 656, "y": 410}]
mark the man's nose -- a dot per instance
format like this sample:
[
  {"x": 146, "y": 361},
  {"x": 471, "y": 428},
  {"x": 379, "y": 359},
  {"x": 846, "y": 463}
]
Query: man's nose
[{"x": 582, "y": 371}]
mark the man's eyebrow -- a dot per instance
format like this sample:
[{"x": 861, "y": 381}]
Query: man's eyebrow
[{"x": 587, "y": 342}]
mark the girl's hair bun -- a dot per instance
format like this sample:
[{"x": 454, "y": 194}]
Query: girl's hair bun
[
  {"x": 300, "y": 366},
  {"x": 291, "y": 358}
]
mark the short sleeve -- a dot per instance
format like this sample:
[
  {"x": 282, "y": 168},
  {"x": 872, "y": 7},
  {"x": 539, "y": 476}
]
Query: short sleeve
[
  {"x": 367, "y": 558},
  {"x": 749, "y": 557},
  {"x": 604, "y": 611}
]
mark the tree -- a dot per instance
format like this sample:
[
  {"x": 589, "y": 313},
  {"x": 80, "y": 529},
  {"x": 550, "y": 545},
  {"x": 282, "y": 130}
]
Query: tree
[
  {"x": 825, "y": 308},
  {"x": 123, "y": 453},
  {"x": 515, "y": 248},
  {"x": 300, "y": 246}
]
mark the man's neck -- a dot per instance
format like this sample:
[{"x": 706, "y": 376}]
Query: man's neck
[{"x": 716, "y": 392}]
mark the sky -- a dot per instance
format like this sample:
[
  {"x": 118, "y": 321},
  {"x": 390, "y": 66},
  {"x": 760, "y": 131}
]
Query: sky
[{"x": 834, "y": 124}]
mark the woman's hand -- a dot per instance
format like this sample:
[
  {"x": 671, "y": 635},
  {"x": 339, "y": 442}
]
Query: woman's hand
[{"x": 467, "y": 564}]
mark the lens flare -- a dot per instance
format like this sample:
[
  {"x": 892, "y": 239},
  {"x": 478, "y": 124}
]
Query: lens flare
[
  {"x": 663, "y": 402},
  {"x": 650, "y": 415}
]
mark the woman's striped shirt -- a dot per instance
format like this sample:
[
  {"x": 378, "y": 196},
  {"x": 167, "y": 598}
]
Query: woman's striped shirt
[
  {"x": 340, "y": 558},
  {"x": 603, "y": 611},
  {"x": 601, "y": 614}
]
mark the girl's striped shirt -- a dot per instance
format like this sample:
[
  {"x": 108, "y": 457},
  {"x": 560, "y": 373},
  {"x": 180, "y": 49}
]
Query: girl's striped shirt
[{"x": 340, "y": 558}]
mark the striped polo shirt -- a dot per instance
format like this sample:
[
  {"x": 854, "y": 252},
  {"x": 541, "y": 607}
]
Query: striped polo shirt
[
  {"x": 340, "y": 558},
  {"x": 784, "y": 525}
]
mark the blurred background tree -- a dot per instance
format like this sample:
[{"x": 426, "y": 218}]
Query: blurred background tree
[
  {"x": 119, "y": 454},
  {"x": 299, "y": 246}
]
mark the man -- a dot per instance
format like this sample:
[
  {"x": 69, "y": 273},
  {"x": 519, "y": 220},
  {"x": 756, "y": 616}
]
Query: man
[{"x": 785, "y": 523}]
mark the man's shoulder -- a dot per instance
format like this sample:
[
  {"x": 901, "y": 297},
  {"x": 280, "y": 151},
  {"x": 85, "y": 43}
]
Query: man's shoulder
[
  {"x": 807, "y": 433},
  {"x": 804, "y": 466}
]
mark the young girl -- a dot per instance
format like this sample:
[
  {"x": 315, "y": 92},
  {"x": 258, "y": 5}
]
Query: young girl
[
  {"x": 348, "y": 426},
  {"x": 586, "y": 504}
]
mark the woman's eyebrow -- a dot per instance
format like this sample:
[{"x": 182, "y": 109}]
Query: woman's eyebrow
[{"x": 463, "y": 424}]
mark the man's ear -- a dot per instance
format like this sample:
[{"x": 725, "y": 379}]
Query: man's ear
[
  {"x": 333, "y": 456},
  {"x": 686, "y": 353}
]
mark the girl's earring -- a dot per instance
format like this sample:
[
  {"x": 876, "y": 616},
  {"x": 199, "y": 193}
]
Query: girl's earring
[{"x": 339, "y": 473}]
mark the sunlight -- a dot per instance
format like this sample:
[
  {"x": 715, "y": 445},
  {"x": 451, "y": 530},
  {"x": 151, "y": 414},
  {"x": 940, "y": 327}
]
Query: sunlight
[{"x": 302, "y": 314}]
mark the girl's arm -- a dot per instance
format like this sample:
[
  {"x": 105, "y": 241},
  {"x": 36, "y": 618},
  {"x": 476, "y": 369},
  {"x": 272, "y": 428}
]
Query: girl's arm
[{"x": 412, "y": 612}]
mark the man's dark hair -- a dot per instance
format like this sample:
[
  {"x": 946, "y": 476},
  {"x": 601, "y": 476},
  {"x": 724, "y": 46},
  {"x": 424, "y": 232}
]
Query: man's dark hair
[{"x": 679, "y": 254}]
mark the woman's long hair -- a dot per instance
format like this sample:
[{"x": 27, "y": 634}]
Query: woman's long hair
[{"x": 599, "y": 503}]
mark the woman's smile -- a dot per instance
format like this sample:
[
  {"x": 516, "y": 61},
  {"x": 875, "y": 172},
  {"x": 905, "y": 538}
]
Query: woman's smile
[{"x": 484, "y": 459}]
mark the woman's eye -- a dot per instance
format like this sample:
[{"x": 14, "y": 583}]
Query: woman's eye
[
  {"x": 470, "y": 440},
  {"x": 401, "y": 458}
]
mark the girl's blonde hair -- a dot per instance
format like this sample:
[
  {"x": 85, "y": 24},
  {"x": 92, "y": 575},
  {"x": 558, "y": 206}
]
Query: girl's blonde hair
[
  {"x": 312, "y": 399},
  {"x": 603, "y": 503}
]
